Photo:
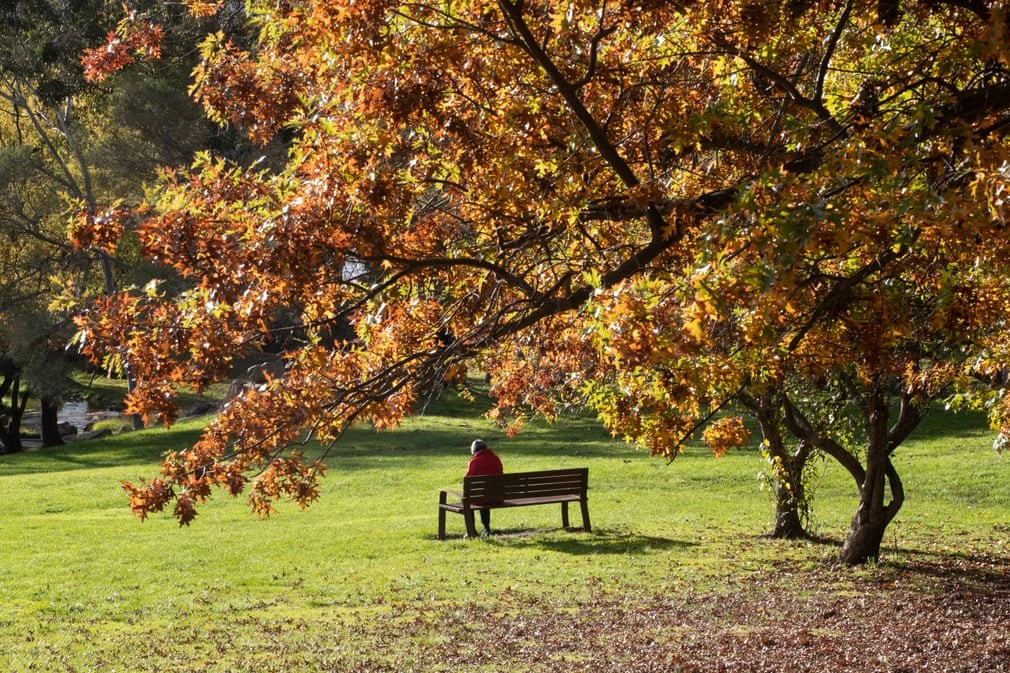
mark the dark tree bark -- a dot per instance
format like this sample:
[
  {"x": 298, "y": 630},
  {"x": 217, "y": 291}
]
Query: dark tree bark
[
  {"x": 881, "y": 492},
  {"x": 790, "y": 496},
  {"x": 10, "y": 417},
  {"x": 50, "y": 422},
  {"x": 787, "y": 467},
  {"x": 874, "y": 513},
  {"x": 881, "y": 480}
]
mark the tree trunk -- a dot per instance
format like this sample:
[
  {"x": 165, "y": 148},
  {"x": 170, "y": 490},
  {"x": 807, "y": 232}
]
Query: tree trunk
[
  {"x": 869, "y": 523},
  {"x": 50, "y": 422},
  {"x": 874, "y": 513},
  {"x": 787, "y": 469},
  {"x": 788, "y": 522},
  {"x": 10, "y": 425},
  {"x": 8, "y": 443},
  {"x": 791, "y": 505},
  {"x": 866, "y": 534},
  {"x": 11, "y": 440}
]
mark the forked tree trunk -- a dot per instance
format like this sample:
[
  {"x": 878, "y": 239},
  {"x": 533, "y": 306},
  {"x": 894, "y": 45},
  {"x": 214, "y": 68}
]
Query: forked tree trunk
[
  {"x": 866, "y": 530},
  {"x": 788, "y": 522},
  {"x": 880, "y": 481},
  {"x": 790, "y": 490},
  {"x": 873, "y": 515}
]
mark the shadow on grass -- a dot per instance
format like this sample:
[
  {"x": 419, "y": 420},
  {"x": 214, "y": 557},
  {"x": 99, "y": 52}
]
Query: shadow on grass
[
  {"x": 940, "y": 422},
  {"x": 142, "y": 447},
  {"x": 443, "y": 427},
  {"x": 980, "y": 573},
  {"x": 597, "y": 542}
]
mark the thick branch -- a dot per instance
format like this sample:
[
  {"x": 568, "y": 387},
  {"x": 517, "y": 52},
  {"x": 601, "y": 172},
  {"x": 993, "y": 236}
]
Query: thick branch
[
  {"x": 829, "y": 51},
  {"x": 570, "y": 92},
  {"x": 909, "y": 416},
  {"x": 800, "y": 427},
  {"x": 841, "y": 292},
  {"x": 897, "y": 491},
  {"x": 594, "y": 50}
]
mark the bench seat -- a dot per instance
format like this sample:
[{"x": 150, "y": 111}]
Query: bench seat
[{"x": 517, "y": 489}]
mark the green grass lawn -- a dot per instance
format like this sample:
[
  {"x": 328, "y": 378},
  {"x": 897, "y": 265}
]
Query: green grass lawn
[{"x": 673, "y": 577}]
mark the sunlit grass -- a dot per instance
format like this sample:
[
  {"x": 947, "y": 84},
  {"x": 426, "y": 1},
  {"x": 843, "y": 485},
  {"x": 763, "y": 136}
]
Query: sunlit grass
[{"x": 87, "y": 587}]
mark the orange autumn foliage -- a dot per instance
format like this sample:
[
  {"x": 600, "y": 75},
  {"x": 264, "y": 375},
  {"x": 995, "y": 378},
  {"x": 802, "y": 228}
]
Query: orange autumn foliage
[{"x": 655, "y": 208}]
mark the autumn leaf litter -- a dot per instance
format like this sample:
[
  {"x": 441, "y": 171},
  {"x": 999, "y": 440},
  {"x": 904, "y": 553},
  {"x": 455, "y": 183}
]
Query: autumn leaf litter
[{"x": 953, "y": 618}]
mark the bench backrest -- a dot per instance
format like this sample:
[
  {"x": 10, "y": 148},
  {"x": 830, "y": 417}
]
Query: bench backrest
[{"x": 548, "y": 483}]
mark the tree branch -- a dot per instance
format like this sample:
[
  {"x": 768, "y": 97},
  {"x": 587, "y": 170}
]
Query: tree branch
[
  {"x": 829, "y": 51},
  {"x": 790, "y": 89},
  {"x": 897, "y": 491},
  {"x": 798, "y": 424},
  {"x": 570, "y": 92},
  {"x": 594, "y": 48},
  {"x": 842, "y": 290},
  {"x": 909, "y": 415}
]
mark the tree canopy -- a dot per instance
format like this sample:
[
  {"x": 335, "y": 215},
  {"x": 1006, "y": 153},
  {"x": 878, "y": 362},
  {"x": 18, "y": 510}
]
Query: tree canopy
[{"x": 658, "y": 208}]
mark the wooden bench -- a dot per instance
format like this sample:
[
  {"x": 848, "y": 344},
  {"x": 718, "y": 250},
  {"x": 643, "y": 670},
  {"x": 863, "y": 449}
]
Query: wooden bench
[{"x": 517, "y": 489}]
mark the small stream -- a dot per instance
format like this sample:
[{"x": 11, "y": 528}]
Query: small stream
[{"x": 74, "y": 412}]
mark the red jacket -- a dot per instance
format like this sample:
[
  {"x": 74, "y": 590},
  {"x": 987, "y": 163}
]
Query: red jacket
[{"x": 484, "y": 462}]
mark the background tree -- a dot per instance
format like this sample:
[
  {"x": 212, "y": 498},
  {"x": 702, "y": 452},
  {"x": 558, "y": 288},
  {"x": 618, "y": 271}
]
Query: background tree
[
  {"x": 69, "y": 145},
  {"x": 40, "y": 84},
  {"x": 660, "y": 208}
]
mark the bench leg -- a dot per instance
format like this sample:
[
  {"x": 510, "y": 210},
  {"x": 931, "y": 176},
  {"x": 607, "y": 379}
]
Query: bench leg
[
  {"x": 585, "y": 516},
  {"x": 564, "y": 515},
  {"x": 441, "y": 515}
]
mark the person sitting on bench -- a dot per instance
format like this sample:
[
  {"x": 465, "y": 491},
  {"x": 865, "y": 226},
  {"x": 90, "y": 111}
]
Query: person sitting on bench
[{"x": 483, "y": 461}]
